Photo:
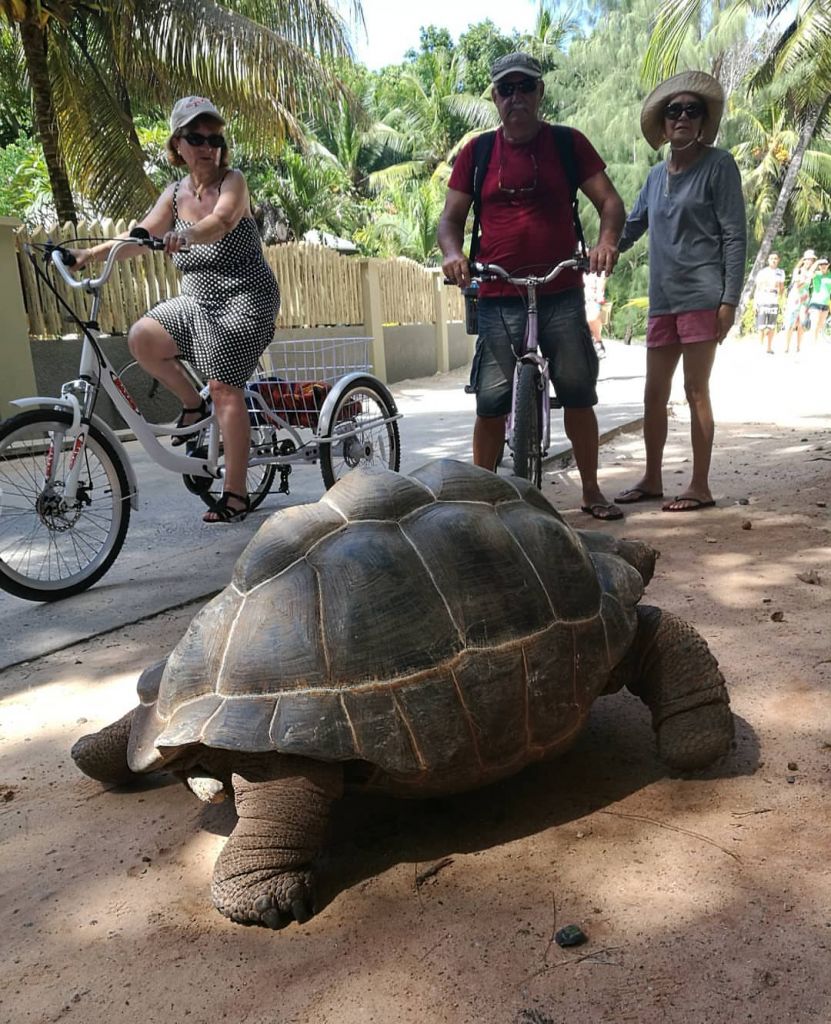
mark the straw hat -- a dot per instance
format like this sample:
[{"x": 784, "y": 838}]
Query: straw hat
[{"x": 696, "y": 82}]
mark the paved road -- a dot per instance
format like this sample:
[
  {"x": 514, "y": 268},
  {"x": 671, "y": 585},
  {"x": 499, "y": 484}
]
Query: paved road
[{"x": 170, "y": 558}]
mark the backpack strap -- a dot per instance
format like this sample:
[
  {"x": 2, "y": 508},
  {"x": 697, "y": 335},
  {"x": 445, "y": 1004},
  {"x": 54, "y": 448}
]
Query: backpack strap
[
  {"x": 482, "y": 149},
  {"x": 564, "y": 141}
]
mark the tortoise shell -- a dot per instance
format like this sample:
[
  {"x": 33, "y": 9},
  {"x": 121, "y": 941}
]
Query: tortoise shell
[{"x": 446, "y": 625}]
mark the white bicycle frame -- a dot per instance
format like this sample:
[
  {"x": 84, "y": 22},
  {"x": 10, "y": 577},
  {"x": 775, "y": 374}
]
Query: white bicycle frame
[{"x": 95, "y": 371}]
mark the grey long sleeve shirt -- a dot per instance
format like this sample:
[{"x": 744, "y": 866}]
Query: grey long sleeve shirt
[{"x": 697, "y": 234}]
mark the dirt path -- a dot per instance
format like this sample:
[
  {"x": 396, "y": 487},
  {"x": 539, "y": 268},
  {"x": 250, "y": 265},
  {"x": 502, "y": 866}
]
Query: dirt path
[{"x": 704, "y": 899}]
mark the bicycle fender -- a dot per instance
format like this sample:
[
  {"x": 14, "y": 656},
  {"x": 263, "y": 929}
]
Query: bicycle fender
[
  {"x": 341, "y": 387},
  {"x": 70, "y": 407}
]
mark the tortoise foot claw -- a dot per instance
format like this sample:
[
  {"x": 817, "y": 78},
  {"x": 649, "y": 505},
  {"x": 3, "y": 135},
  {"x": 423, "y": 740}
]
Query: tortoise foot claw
[{"x": 271, "y": 901}]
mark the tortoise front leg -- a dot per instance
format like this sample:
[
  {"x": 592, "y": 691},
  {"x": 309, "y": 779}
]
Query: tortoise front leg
[
  {"x": 263, "y": 874},
  {"x": 677, "y": 677},
  {"x": 103, "y": 755}
]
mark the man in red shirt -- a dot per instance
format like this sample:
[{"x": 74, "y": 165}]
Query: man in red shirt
[{"x": 527, "y": 227}]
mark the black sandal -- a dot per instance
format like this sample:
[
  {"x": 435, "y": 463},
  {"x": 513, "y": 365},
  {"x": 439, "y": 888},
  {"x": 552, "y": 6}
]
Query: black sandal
[
  {"x": 181, "y": 439},
  {"x": 224, "y": 513}
]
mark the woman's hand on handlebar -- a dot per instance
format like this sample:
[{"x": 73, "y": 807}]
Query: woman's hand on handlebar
[
  {"x": 457, "y": 269},
  {"x": 81, "y": 257},
  {"x": 175, "y": 241}
]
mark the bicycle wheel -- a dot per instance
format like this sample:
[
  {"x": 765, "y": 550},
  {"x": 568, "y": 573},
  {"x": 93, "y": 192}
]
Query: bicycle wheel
[
  {"x": 360, "y": 435},
  {"x": 50, "y": 547},
  {"x": 154, "y": 401},
  {"x": 528, "y": 426},
  {"x": 258, "y": 479}
]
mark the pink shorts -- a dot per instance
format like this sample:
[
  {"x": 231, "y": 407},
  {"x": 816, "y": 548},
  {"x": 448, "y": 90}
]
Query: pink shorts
[{"x": 686, "y": 328}]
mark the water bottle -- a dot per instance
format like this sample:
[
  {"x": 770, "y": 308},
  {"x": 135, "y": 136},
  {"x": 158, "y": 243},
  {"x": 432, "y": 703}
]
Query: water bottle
[{"x": 471, "y": 294}]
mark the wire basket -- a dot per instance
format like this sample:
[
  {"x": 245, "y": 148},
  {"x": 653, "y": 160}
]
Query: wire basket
[{"x": 294, "y": 377}]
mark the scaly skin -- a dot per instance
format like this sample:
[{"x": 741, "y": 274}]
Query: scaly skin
[
  {"x": 673, "y": 672},
  {"x": 263, "y": 875},
  {"x": 103, "y": 755}
]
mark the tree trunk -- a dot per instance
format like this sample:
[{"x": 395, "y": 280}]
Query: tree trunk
[
  {"x": 34, "y": 48},
  {"x": 778, "y": 216}
]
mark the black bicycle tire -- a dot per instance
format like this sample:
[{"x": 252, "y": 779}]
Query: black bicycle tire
[
  {"x": 367, "y": 386},
  {"x": 14, "y": 582},
  {"x": 527, "y": 426}
]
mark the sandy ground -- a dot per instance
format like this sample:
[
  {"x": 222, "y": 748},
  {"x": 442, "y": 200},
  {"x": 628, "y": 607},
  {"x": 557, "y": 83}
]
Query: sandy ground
[{"x": 704, "y": 898}]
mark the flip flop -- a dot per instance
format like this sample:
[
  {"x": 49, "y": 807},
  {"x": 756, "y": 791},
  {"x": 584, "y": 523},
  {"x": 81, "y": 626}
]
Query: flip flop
[
  {"x": 597, "y": 510},
  {"x": 639, "y": 495},
  {"x": 693, "y": 505}
]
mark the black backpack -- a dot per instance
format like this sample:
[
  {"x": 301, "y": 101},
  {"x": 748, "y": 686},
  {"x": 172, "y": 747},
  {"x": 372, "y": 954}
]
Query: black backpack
[{"x": 482, "y": 148}]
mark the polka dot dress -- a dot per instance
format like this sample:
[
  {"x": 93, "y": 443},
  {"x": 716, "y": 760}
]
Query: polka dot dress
[{"x": 224, "y": 318}]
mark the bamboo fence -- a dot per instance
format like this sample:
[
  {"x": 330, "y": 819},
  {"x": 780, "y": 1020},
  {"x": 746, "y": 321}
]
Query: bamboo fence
[{"x": 318, "y": 287}]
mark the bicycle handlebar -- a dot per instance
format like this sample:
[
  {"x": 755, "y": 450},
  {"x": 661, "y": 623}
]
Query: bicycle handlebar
[
  {"x": 491, "y": 271},
  {"x": 62, "y": 258}
]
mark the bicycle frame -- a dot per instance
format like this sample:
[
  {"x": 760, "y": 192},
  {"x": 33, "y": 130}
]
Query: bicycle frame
[{"x": 530, "y": 353}]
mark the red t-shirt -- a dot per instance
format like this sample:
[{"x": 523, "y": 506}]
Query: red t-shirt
[{"x": 529, "y": 229}]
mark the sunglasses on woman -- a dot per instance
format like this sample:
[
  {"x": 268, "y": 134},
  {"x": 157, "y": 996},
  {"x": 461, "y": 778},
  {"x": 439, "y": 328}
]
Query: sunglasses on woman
[
  {"x": 506, "y": 89},
  {"x": 214, "y": 140},
  {"x": 673, "y": 111}
]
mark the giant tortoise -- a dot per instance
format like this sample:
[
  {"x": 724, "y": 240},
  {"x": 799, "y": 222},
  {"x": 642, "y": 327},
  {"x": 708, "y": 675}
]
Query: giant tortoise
[{"x": 418, "y": 635}]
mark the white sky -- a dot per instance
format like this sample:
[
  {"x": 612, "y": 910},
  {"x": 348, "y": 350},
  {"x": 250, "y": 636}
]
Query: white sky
[{"x": 393, "y": 25}]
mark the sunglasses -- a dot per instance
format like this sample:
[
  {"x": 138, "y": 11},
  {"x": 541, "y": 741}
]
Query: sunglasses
[
  {"x": 673, "y": 111},
  {"x": 522, "y": 188},
  {"x": 527, "y": 85},
  {"x": 214, "y": 140}
]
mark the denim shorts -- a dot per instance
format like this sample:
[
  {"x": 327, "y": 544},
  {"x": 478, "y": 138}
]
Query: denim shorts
[{"x": 564, "y": 339}]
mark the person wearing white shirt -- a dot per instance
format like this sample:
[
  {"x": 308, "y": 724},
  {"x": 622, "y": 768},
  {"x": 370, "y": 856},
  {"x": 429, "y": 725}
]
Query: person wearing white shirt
[{"x": 770, "y": 283}]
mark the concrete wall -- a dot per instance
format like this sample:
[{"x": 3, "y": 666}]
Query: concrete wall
[
  {"x": 18, "y": 377},
  {"x": 460, "y": 345},
  {"x": 410, "y": 351}
]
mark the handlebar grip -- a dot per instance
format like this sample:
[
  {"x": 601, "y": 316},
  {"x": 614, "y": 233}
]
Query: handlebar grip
[
  {"x": 143, "y": 237},
  {"x": 67, "y": 258}
]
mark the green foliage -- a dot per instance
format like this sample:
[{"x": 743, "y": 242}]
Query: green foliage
[
  {"x": 262, "y": 61},
  {"x": 24, "y": 183},
  {"x": 312, "y": 190},
  {"x": 15, "y": 108},
  {"x": 478, "y": 48},
  {"x": 404, "y": 221}
]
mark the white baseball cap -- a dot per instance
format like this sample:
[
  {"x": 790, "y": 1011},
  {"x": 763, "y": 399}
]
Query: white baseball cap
[{"x": 189, "y": 108}]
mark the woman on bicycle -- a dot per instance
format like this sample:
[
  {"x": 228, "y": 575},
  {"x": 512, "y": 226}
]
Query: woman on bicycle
[{"x": 224, "y": 318}]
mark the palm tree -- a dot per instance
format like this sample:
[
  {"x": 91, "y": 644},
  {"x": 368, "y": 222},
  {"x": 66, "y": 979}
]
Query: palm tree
[
  {"x": 409, "y": 220},
  {"x": 551, "y": 29},
  {"x": 764, "y": 157},
  {"x": 91, "y": 64},
  {"x": 434, "y": 116},
  {"x": 312, "y": 191}
]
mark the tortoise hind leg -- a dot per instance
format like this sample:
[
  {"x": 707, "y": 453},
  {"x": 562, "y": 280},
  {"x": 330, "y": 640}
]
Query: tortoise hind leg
[
  {"x": 263, "y": 875},
  {"x": 103, "y": 755},
  {"x": 679, "y": 680}
]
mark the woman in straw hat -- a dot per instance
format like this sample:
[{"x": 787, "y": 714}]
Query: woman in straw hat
[
  {"x": 693, "y": 208},
  {"x": 224, "y": 318},
  {"x": 796, "y": 304}
]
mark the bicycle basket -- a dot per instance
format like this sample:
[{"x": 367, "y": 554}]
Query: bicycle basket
[{"x": 294, "y": 377}]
